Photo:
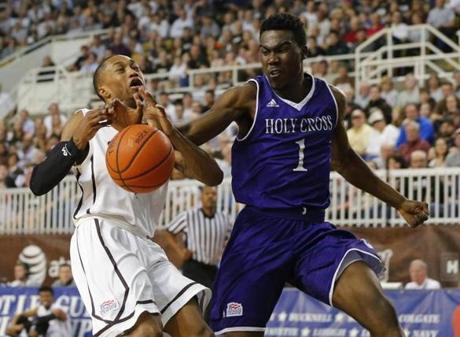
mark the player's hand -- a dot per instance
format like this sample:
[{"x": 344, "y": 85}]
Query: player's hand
[
  {"x": 91, "y": 122},
  {"x": 155, "y": 114},
  {"x": 123, "y": 115},
  {"x": 414, "y": 212}
]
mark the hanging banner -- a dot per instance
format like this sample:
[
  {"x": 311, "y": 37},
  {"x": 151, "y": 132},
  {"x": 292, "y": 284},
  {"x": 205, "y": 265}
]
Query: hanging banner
[
  {"x": 16, "y": 300},
  {"x": 422, "y": 313},
  {"x": 438, "y": 246}
]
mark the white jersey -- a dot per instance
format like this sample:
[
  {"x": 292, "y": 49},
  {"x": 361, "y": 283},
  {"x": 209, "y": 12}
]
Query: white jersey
[{"x": 102, "y": 198}]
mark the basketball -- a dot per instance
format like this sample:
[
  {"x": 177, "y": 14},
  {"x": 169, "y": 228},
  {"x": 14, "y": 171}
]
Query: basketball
[{"x": 140, "y": 158}]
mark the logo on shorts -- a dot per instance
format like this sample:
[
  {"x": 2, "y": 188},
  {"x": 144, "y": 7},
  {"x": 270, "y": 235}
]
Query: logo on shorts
[
  {"x": 108, "y": 306},
  {"x": 234, "y": 309}
]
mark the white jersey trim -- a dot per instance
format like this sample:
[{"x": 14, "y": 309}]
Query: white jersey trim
[
  {"x": 255, "y": 114},
  {"x": 299, "y": 106},
  {"x": 335, "y": 102}
]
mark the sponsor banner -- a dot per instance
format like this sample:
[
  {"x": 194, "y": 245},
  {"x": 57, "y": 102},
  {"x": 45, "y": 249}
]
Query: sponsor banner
[
  {"x": 422, "y": 313},
  {"x": 439, "y": 246},
  {"x": 17, "y": 300},
  {"x": 42, "y": 253}
]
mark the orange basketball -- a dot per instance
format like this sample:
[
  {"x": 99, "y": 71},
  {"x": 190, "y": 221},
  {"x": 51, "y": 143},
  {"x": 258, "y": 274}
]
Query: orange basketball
[{"x": 140, "y": 158}]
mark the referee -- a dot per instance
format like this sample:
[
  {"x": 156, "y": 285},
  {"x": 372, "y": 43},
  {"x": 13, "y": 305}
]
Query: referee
[{"x": 206, "y": 232}]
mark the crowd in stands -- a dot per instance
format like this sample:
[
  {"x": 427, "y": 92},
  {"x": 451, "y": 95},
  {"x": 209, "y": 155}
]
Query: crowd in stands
[{"x": 417, "y": 125}]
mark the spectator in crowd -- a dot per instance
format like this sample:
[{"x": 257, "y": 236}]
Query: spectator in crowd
[
  {"x": 410, "y": 93},
  {"x": 443, "y": 18},
  {"x": 426, "y": 126},
  {"x": 47, "y": 319},
  {"x": 453, "y": 158},
  {"x": 362, "y": 97},
  {"x": 413, "y": 141},
  {"x": 27, "y": 151},
  {"x": 98, "y": 48},
  {"x": 54, "y": 118},
  {"x": 418, "y": 160},
  {"x": 21, "y": 276},
  {"x": 383, "y": 134},
  {"x": 434, "y": 87},
  {"x": 359, "y": 133},
  {"x": 376, "y": 101},
  {"x": 90, "y": 64},
  {"x": 165, "y": 102},
  {"x": 84, "y": 53},
  {"x": 388, "y": 93},
  {"x": 418, "y": 271},
  {"x": 28, "y": 125},
  {"x": 343, "y": 78},
  {"x": 206, "y": 231},
  {"x": 438, "y": 153},
  {"x": 209, "y": 97},
  {"x": 180, "y": 117},
  {"x": 14, "y": 171},
  {"x": 65, "y": 278}
]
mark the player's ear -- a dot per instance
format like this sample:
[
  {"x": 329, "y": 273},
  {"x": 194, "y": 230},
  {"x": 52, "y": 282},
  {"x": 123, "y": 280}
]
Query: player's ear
[
  {"x": 304, "y": 51},
  {"x": 104, "y": 93}
]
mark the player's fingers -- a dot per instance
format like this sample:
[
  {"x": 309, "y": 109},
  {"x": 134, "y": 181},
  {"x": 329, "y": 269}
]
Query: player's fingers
[{"x": 161, "y": 109}]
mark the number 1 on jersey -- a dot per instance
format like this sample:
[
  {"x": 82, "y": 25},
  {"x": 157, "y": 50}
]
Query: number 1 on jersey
[{"x": 300, "y": 167}]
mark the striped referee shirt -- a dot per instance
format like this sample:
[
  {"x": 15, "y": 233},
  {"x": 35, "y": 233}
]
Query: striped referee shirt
[{"x": 205, "y": 236}]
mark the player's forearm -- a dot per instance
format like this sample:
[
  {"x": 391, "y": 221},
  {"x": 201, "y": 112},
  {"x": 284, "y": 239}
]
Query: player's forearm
[
  {"x": 210, "y": 125},
  {"x": 196, "y": 163},
  {"x": 55, "y": 167},
  {"x": 358, "y": 173}
]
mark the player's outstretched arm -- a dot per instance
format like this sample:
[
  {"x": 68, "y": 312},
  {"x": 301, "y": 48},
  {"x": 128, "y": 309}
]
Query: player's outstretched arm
[
  {"x": 233, "y": 105},
  {"x": 72, "y": 149},
  {"x": 350, "y": 165},
  {"x": 192, "y": 161}
]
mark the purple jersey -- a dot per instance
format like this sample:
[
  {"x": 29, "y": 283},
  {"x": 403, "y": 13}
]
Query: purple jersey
[{"x": 284, "y": 160}]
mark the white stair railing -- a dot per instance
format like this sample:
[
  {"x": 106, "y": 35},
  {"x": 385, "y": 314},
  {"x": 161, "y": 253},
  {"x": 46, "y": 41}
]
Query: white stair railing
[{"x": 385, "y": 60}]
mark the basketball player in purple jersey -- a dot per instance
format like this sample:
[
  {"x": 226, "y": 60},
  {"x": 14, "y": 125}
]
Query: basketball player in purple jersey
[{"x": 290, "y": 135}]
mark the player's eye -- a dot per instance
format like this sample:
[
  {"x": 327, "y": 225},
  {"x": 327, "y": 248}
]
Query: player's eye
[
  {"x": 120, "y": 69},
  {"x": 265, "y": 52}
]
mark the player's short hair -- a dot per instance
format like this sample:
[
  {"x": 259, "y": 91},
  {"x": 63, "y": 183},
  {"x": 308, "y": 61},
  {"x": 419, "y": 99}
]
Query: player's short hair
[
  {"x": 47, "y": 289},
  {"x": 97, "y": 75},
  {"x": 284, "y": 21}
]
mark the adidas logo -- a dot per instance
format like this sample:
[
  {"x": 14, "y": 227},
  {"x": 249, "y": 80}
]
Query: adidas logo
[{"x": 272, "y": 104}]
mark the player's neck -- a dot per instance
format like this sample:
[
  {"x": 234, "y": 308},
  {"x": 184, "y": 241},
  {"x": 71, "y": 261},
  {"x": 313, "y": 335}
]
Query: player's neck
[{"x": 297, "y": 89}]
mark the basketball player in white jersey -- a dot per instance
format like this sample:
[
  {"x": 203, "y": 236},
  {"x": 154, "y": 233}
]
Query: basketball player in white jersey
[{"x": 125, "y": 280}]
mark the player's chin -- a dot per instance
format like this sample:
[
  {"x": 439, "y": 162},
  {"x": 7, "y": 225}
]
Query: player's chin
[{"x": 277, "y": 83}]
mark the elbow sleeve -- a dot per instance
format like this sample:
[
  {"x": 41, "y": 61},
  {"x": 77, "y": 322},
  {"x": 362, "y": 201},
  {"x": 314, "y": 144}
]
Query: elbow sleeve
[{"x": 55, "y": 167}]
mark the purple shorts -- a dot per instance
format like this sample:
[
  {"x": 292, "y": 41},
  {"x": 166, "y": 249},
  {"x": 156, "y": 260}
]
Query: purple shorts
[{"x": 268, "y": 249}]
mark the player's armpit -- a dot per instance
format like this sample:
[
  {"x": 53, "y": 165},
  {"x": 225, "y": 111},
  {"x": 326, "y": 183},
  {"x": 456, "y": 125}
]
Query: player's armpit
[{"x": 232, "y": 106}]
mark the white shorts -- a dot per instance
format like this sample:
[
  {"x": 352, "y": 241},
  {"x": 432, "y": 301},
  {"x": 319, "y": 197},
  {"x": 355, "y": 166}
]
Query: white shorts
[{"x": 121, "y": 275}]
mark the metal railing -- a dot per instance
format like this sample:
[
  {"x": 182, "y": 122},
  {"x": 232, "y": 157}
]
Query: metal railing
[
  {"x": 388, "y": 56},
  {"x": 23, "y": 213}
]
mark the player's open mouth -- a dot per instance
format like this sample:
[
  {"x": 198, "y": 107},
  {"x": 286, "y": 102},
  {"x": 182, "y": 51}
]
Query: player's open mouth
[
  {"x": 274, "y": 73},
  {"x": 136, "y": 83}
]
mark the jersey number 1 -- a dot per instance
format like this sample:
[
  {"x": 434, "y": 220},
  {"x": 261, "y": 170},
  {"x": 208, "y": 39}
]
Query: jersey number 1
[{"x": 300, "y": 167}]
